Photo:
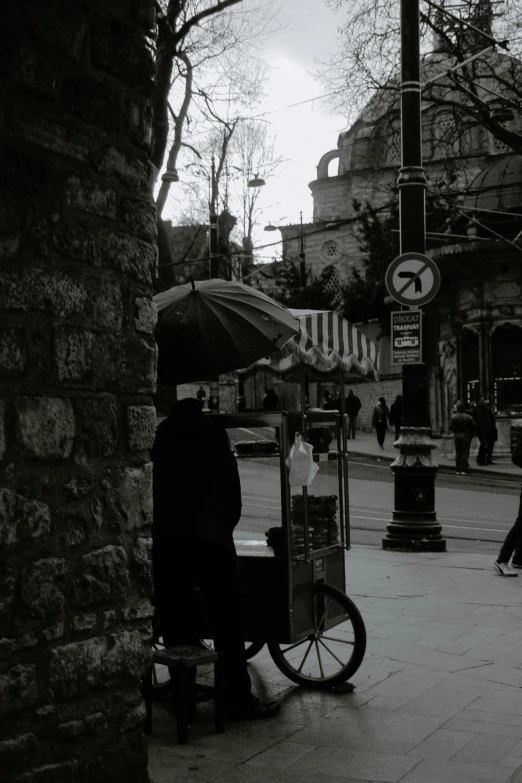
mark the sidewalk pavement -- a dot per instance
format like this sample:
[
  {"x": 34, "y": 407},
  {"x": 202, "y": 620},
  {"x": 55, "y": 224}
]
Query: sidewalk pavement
[
  {"x": 365, "y": 444},
  {"x": 437, "y": 699}
]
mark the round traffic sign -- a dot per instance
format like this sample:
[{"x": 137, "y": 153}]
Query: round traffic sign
[{"x": 413, "y": 279}]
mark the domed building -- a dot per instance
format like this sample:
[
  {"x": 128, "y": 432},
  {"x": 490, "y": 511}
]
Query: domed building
[{"x": 480, "y": 305}]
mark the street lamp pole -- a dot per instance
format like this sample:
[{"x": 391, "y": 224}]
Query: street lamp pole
[
  {"x": 414, "y": 525},
  {"x": 302, "y": 257}
]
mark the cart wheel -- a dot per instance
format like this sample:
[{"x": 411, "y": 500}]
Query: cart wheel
[
  {"x": 334, "y": 651},
  {"x": 251, "y": 648}
]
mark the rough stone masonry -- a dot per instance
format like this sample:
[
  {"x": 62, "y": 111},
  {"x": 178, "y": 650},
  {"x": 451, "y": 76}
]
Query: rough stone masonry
[{"x": 77, "y": 372}]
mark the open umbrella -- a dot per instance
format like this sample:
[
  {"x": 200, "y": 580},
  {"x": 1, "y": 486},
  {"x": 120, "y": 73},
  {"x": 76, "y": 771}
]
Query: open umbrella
[{"x": 208, "y": 327}]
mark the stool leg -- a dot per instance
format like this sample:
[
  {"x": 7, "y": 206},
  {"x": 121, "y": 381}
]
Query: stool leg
[
  {"x": 146, "y": 690},
  {"x": 219, "y": 694},
  {"x": 180, "y": 699}
]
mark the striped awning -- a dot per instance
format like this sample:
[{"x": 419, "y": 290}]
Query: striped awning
[{"x": 326, "y": 342}]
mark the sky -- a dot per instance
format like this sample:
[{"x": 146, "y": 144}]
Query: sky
[{"x": 303, "y": 133}]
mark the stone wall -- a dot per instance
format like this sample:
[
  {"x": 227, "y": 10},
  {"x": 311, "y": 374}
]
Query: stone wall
[{"x": 77, "y": 370}]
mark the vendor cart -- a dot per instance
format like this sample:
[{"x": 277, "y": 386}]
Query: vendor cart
[{"x": 291, "y": 547}]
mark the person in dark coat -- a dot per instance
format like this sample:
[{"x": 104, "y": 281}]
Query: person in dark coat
[
  {"x": 484, "y": 428},
  {"x": 492, "y": 434},
  {"x": 380, "y": 420},
  {"x": 513, "y": 541},
  {"x": 352, "y": 406},
  {"x": 396, "y": 415},
  {"x": 197, "y": 505},
  {"x": 463, "y": 427}
]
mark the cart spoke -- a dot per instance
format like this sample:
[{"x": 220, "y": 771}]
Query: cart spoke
[
  {"x": 325, "y": 613},
  {"x": 342, "y": 663},
  {"x": 335, "y": 639},
  {"x": 305, "y": 657},
  {"x": 294, "y": 645},
  {"x": 319, "y": 658}
]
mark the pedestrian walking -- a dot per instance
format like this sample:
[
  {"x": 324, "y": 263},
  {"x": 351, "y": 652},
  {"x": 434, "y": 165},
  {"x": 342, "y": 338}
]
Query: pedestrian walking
[
  {"x": 396, "y": 415},
  {"x": 328, "y": 401},
  {"x": 380, "y": 420},
  {"x": 197, "y": 504},
  {"x": 492, "y": 434},
  {"x": 463, "y": 427},
  {"x": 352, "y": 406},
  {"x": 484, "y": 427},
  {"x": 270, "y": 401},
  {"x": 201, "y": 396},
  {"x": 513, "y": 540}
]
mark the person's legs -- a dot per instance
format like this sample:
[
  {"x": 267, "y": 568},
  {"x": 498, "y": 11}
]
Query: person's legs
[
  {"x": 459, "y": 462},
  {"x": 173, "y": 591},
  {"x": 397, "y": 431},
  {"x": 489, "y": 451},
  {"x": 219, "y": 580},
  {"x": 352, "y": 424},
  {"x": 513, "y": 540},
  {"x": 381, "y": 432},
  {"x": 481, "y": 456}
]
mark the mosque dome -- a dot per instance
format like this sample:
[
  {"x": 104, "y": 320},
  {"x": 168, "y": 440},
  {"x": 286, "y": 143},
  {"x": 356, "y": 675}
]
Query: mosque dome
[{"x": 498, "y": 186}]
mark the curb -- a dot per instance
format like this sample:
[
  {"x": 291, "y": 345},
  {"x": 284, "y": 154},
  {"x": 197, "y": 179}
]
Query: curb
[{"x": 449, "y": 469}]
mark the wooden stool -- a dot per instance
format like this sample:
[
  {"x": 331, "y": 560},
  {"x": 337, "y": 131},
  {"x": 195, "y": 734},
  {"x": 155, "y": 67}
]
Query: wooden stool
[{"x": 180, "y": 659}]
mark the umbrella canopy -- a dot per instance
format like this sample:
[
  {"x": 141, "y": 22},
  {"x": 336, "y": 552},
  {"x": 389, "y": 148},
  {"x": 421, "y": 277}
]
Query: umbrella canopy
[
  {"x": 208, "y": 327},
  {"x": 326, "y": 342}
]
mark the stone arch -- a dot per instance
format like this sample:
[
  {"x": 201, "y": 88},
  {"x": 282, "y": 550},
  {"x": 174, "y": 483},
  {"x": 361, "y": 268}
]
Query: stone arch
[{"x": 322, "y": 166}]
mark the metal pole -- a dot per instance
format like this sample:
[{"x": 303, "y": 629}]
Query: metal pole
[
  {"x": 213, "y": 270},
  {"x": 414, "y": 525},
  {"x": 302, "y": 258}
]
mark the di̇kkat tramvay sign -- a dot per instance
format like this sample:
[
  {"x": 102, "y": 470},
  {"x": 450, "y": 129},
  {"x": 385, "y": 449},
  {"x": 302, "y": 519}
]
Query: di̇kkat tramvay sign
[
  {"x": 406, "y": 336},
  {"x": 412, "y": 279}
]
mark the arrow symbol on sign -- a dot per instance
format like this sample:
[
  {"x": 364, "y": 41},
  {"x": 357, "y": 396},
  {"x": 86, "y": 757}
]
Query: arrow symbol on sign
[{"x": 409, "y": 276}]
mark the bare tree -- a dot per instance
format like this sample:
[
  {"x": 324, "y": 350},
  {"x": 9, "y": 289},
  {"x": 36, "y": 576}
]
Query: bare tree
[
  {"x": 471, "y": 61},
  {"x": 190, "y": 35}
]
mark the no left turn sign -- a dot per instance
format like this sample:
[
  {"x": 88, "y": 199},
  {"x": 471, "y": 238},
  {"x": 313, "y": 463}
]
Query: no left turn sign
[{"x": 413, "y": 279}]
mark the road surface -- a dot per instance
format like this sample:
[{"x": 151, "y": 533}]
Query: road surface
[{"x": 475, "y": 512}]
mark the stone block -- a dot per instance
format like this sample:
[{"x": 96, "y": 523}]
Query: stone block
[
  {"x": 2, "y": 431},
  {"x": 43, "y": 132},
  {"x": 69, "y": 29},
  {"x": 103, "y": 576},
  {"x": 9, "y": 231},
  {"x": 45, "y": 426},
  {"x": 135, "y": 496},
  {"x": 137, "y": 362},
  {"x": 139, "y": 116},
  {"x": 91, "y": 724},
  {"x": 37, "y": 231},
  {"x": 141, "y": 610},
  {"x": 18, "y": 689},
  {"x": 73, "y": 355},
  {"x": 109, "y": 618},
  {"x": 43, "y": 587},
  {"x": 34, "y": 73},
  {"x": 54, "y": 632},
  {"x": 128, "y": 168},
  {"x": 11, "y": 748},
  {"x": 92, "y": 101},
  {"x": 100, "y": 662},
  {"x": 90, "y": 196},
  {"x": 61, "y": 772},
  {"x": 131, "y": 255},
  {"x": 107, "y": 306},
  {"x": 35, "y": 289},
  {"x": 140, "y": 216},
  {"x": 73, "y": 537},
  {"x": 141, "y": 427},
  {"x": 13, "y": 352},
  {"x": 22, "y": 173},
  {"x": 146, "y": 315},
  {"x": 99, "y": 423},
  {"x": 122, "y": 53},
  {"x": 142, "y": 564},
  {"x": 84, "y": 622},
  {"x": 21, "y": 518}
]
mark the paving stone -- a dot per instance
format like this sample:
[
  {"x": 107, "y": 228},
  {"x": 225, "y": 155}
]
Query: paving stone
[
  {"x": 281, "y": 755},
  {"x": 489, "y": 749},
  {"x": 442, "y": 700},
  {"x": 442, "y": 744},
  {"x": 360, "y": 766},
  {"x": 440, "y": 771}
]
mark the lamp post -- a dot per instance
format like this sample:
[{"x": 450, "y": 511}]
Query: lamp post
[
  {"x": 302, "y": 253},
  {"x": 414, "y": 525}
]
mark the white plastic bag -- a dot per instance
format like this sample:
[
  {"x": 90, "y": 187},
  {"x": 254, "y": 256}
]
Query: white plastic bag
[{"x": 301, "y": 463}]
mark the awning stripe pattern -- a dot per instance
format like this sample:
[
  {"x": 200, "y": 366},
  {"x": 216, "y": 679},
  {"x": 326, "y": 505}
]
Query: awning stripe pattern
[{"x": 327, "y": 342}]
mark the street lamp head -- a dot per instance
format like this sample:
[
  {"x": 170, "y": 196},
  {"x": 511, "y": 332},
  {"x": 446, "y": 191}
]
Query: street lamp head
[
  {"x": 257, "y": 182},
  {"x": 270, "y": 227}
]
